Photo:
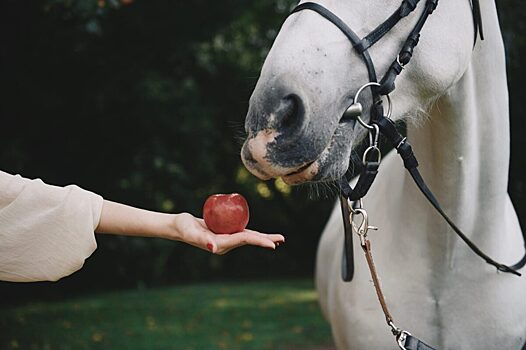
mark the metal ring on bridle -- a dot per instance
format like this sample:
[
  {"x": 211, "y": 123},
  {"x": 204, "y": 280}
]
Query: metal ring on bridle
[
  {"x": 389, "y": 104},
  {"x": 372, "y": 148}
]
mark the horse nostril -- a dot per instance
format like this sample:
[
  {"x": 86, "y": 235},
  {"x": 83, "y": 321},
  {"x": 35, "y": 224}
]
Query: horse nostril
[{"x": 290, "y": 113}]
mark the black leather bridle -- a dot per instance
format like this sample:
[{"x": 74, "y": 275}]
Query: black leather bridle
[{"x": 384, "y": 126}]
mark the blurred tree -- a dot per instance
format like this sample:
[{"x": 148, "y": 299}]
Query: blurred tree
[{"x": 144, "y": 102}]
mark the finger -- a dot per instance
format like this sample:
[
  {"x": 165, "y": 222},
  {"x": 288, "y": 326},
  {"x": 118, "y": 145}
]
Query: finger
[
  {"x": 272, "y": 236},
  {"x": 253, "y": 238},
  {"x": 235, "y": 240},
  {"x": 229, "y": 242},
  {"x": 276, "y": 238}
]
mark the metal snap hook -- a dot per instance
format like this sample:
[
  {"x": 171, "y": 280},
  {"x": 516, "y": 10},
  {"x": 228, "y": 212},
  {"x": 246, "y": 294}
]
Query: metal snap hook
[
  {"x": 360, "y": 230},
  {"x": 364, "y": 227},
  {"x": 389, "y": 107},
  {"x": 373, "y": 144},
  {"x": 373, "y": 141}
]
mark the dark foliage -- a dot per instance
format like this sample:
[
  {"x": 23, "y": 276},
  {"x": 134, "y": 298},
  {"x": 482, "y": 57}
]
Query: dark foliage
[{"x": 144, "y": 102}]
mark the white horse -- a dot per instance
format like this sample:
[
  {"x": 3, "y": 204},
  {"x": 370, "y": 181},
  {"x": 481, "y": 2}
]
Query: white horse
[{"x": 454, "y": 98}]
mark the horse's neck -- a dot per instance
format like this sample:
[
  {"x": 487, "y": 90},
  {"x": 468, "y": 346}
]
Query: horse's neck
[{"x": 464, "y": 145}]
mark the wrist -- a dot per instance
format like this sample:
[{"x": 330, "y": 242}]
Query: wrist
[{"x": 173, "y": 229}]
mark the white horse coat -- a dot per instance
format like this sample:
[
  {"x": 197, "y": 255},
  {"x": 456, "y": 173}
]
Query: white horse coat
[{"x": 435, "y": 286}]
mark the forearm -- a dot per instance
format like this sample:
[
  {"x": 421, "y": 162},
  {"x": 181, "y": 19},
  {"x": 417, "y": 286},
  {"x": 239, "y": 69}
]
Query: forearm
[{"x": 122, "y": 219}]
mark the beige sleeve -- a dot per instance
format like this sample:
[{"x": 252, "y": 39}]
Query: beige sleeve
[{"x": 46, "y": 232}]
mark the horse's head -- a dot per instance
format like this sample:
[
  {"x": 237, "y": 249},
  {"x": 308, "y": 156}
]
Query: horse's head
[{"x": 311, "y": 74}]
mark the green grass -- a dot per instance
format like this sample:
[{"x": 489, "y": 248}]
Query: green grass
[{"x": 255, "y": 315}]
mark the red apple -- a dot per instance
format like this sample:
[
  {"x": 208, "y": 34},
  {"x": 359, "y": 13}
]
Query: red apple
[{"x": 226, "y": 213}]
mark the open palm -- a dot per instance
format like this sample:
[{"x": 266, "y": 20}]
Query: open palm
[{"x": 195, "y": 232}]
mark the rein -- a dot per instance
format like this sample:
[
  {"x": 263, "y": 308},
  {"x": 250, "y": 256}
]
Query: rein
[{"x": 381, "y": 125}]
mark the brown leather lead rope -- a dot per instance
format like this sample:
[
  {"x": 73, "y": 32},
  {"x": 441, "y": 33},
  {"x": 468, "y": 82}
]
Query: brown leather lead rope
[
  {"x": 366, "y": 246},
  {"x": 404, "y": 339},
  {"x": 361, "y": 230}
]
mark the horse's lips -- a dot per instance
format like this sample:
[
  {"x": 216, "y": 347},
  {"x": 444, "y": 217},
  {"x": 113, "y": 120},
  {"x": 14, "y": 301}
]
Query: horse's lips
[
  {"x": 255, "y": 157},
  {"x": 301, "y": 169},
  {"x": 308, "y": 173}
]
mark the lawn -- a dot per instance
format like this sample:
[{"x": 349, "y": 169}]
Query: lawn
[{"x": 244, "y": 315}]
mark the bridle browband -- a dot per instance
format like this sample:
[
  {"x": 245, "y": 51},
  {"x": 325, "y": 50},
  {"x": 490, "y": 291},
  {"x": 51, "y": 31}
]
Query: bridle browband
[{"x": 380, "y": 125}]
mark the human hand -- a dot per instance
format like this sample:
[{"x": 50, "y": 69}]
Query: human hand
[
  {"x": 121, "y": 219},
  {"x": 192, "y": 230}
]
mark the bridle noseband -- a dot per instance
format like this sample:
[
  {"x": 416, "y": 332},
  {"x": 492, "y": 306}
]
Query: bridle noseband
[{"x": 381, "y": 125}]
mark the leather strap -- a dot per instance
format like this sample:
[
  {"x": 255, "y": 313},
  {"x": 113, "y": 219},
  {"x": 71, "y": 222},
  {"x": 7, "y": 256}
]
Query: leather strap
[
  {"x": 406, "y": 53},
  {"x": 477, "y": 20},
  {"x": 405, "y": 9},
  {"x": 410, "y": 342},
  {"x": 365, "y": 180},
  {"x": 344, "y": 28},
  {"x": 388, "y": 129},
  {"x": 366, "y": 246},
  {"x": 353, "y": 38},
  {"x": 348, "y": 250},
  {"x": 413, "y": 343}
]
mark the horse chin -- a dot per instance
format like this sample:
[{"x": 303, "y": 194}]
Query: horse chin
[
  {"x": 329, "y": 166},
  {"x": 317, "y": 171}
]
